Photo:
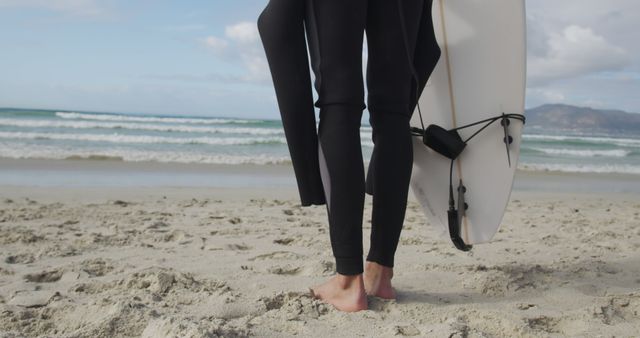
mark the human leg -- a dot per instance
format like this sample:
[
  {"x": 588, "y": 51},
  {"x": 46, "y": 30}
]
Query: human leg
[
  {"x": 390, "y": 81},
  {"x": 342, "y": 169},
  {"x": 336, "y": 31},
  {"x": 393, "y": 28}
]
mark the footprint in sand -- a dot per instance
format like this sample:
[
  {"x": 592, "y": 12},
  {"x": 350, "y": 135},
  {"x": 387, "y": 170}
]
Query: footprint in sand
[
  {"x": 295, "y": 305},
  {"x": 278, "y": 255},
  {"x": 44, "y": 277},
  {"x": 284, "y": 241},
  {"x": 96, "y": 267},
  {"x": 20, "y": 259},
  {"x": 508, "y": 279},
  {"x": 177, "y": 236},
  {"x": 288, "y": 212},
  {"x": 311, "y": 268},
  {"x": 618, "y": 309},
  {"x": 543, "y": 323},
  {"x": 121, "y": 203},
  {"x": 159, "y": 226},
  {"x": 284, "y": 269},
  {"x": 33, "y": 299},
  {"x": 238, "y": 247}
]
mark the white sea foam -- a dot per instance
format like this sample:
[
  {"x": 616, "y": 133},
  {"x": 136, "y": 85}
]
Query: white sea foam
[
  {"x": 108, "y": 117},
  {"x": 366, "y": 135},
  {"x": 16, "y": 150},
  {"x": 625, "y": 142},
  {"x": 587, "y": 168},
  {"x": 23, "y": 123},
  {"x": 584, "y": 152},
  {"x": 119, "y": 138},
  {"x": 137, "y": 126}
]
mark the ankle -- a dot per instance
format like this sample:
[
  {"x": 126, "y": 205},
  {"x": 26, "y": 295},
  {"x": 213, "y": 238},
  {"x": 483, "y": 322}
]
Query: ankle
[
  {"x": 350, "y": 281},
  {"x": 376, "y": 264},
  {"x": 378, "y": 270}
]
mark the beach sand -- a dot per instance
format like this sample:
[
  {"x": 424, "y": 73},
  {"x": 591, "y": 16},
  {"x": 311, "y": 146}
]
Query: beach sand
[{"x": 108, "y": 261}]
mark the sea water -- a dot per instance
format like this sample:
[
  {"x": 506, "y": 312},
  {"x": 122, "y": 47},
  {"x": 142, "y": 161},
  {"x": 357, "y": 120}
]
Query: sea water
[{"x": 45, "y": 134}]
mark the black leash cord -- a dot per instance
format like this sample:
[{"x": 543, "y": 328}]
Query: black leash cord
[{"x": 457, "y": 240}]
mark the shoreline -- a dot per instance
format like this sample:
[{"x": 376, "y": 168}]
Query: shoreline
[{"x": 108, "y": 173}]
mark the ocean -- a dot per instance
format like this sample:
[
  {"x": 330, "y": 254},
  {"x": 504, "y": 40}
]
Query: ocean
[{"x": 44, "y": 134}]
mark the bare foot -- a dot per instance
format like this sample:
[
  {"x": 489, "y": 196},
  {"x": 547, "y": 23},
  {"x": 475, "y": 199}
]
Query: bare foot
[
  {"x": 377, "y": 280},
  {"x": 345, "y": 293}
]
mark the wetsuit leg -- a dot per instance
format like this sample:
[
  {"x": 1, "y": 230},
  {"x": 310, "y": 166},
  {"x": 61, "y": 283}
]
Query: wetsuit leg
[
  {"x": 336, "y": 31},
  {"x": 391, "y": 89},
  {"x": 282, "y": 31}
]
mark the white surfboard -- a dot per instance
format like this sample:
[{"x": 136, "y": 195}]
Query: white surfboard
[{"x": 481, "y": 73}]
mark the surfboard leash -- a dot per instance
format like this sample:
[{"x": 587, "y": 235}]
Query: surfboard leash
[
  {"x": 449, "y": 143},
  {"x": 452, "y": 213},
  {"x": 454, "y": 216}
]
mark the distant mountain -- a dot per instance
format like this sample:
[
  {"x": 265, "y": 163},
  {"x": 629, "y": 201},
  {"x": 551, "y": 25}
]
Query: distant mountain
[{"x": 562, "y": 117}]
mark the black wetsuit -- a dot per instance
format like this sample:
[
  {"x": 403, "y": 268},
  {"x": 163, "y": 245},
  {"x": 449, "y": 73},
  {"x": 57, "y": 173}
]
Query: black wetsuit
[{"x": 402, "y": 52}]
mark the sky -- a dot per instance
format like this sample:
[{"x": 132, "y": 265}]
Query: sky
[{"x": 196, "y": 57}]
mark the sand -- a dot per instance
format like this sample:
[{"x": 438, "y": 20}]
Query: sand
[{"x": 236, "y": 262}]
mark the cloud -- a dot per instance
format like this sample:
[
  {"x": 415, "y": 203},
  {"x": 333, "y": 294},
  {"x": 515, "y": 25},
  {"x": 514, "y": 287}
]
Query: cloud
[
  {"x": 573, "y": 52},
  {"x": 74, "y": 7},
  {"x": 243, "y": 32},
  {"x": 583, "y": 56},
  {"x": 537, "y": 36},
  {"x": 241, "y": 44},
  {"x": 219, "y": 46}
]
